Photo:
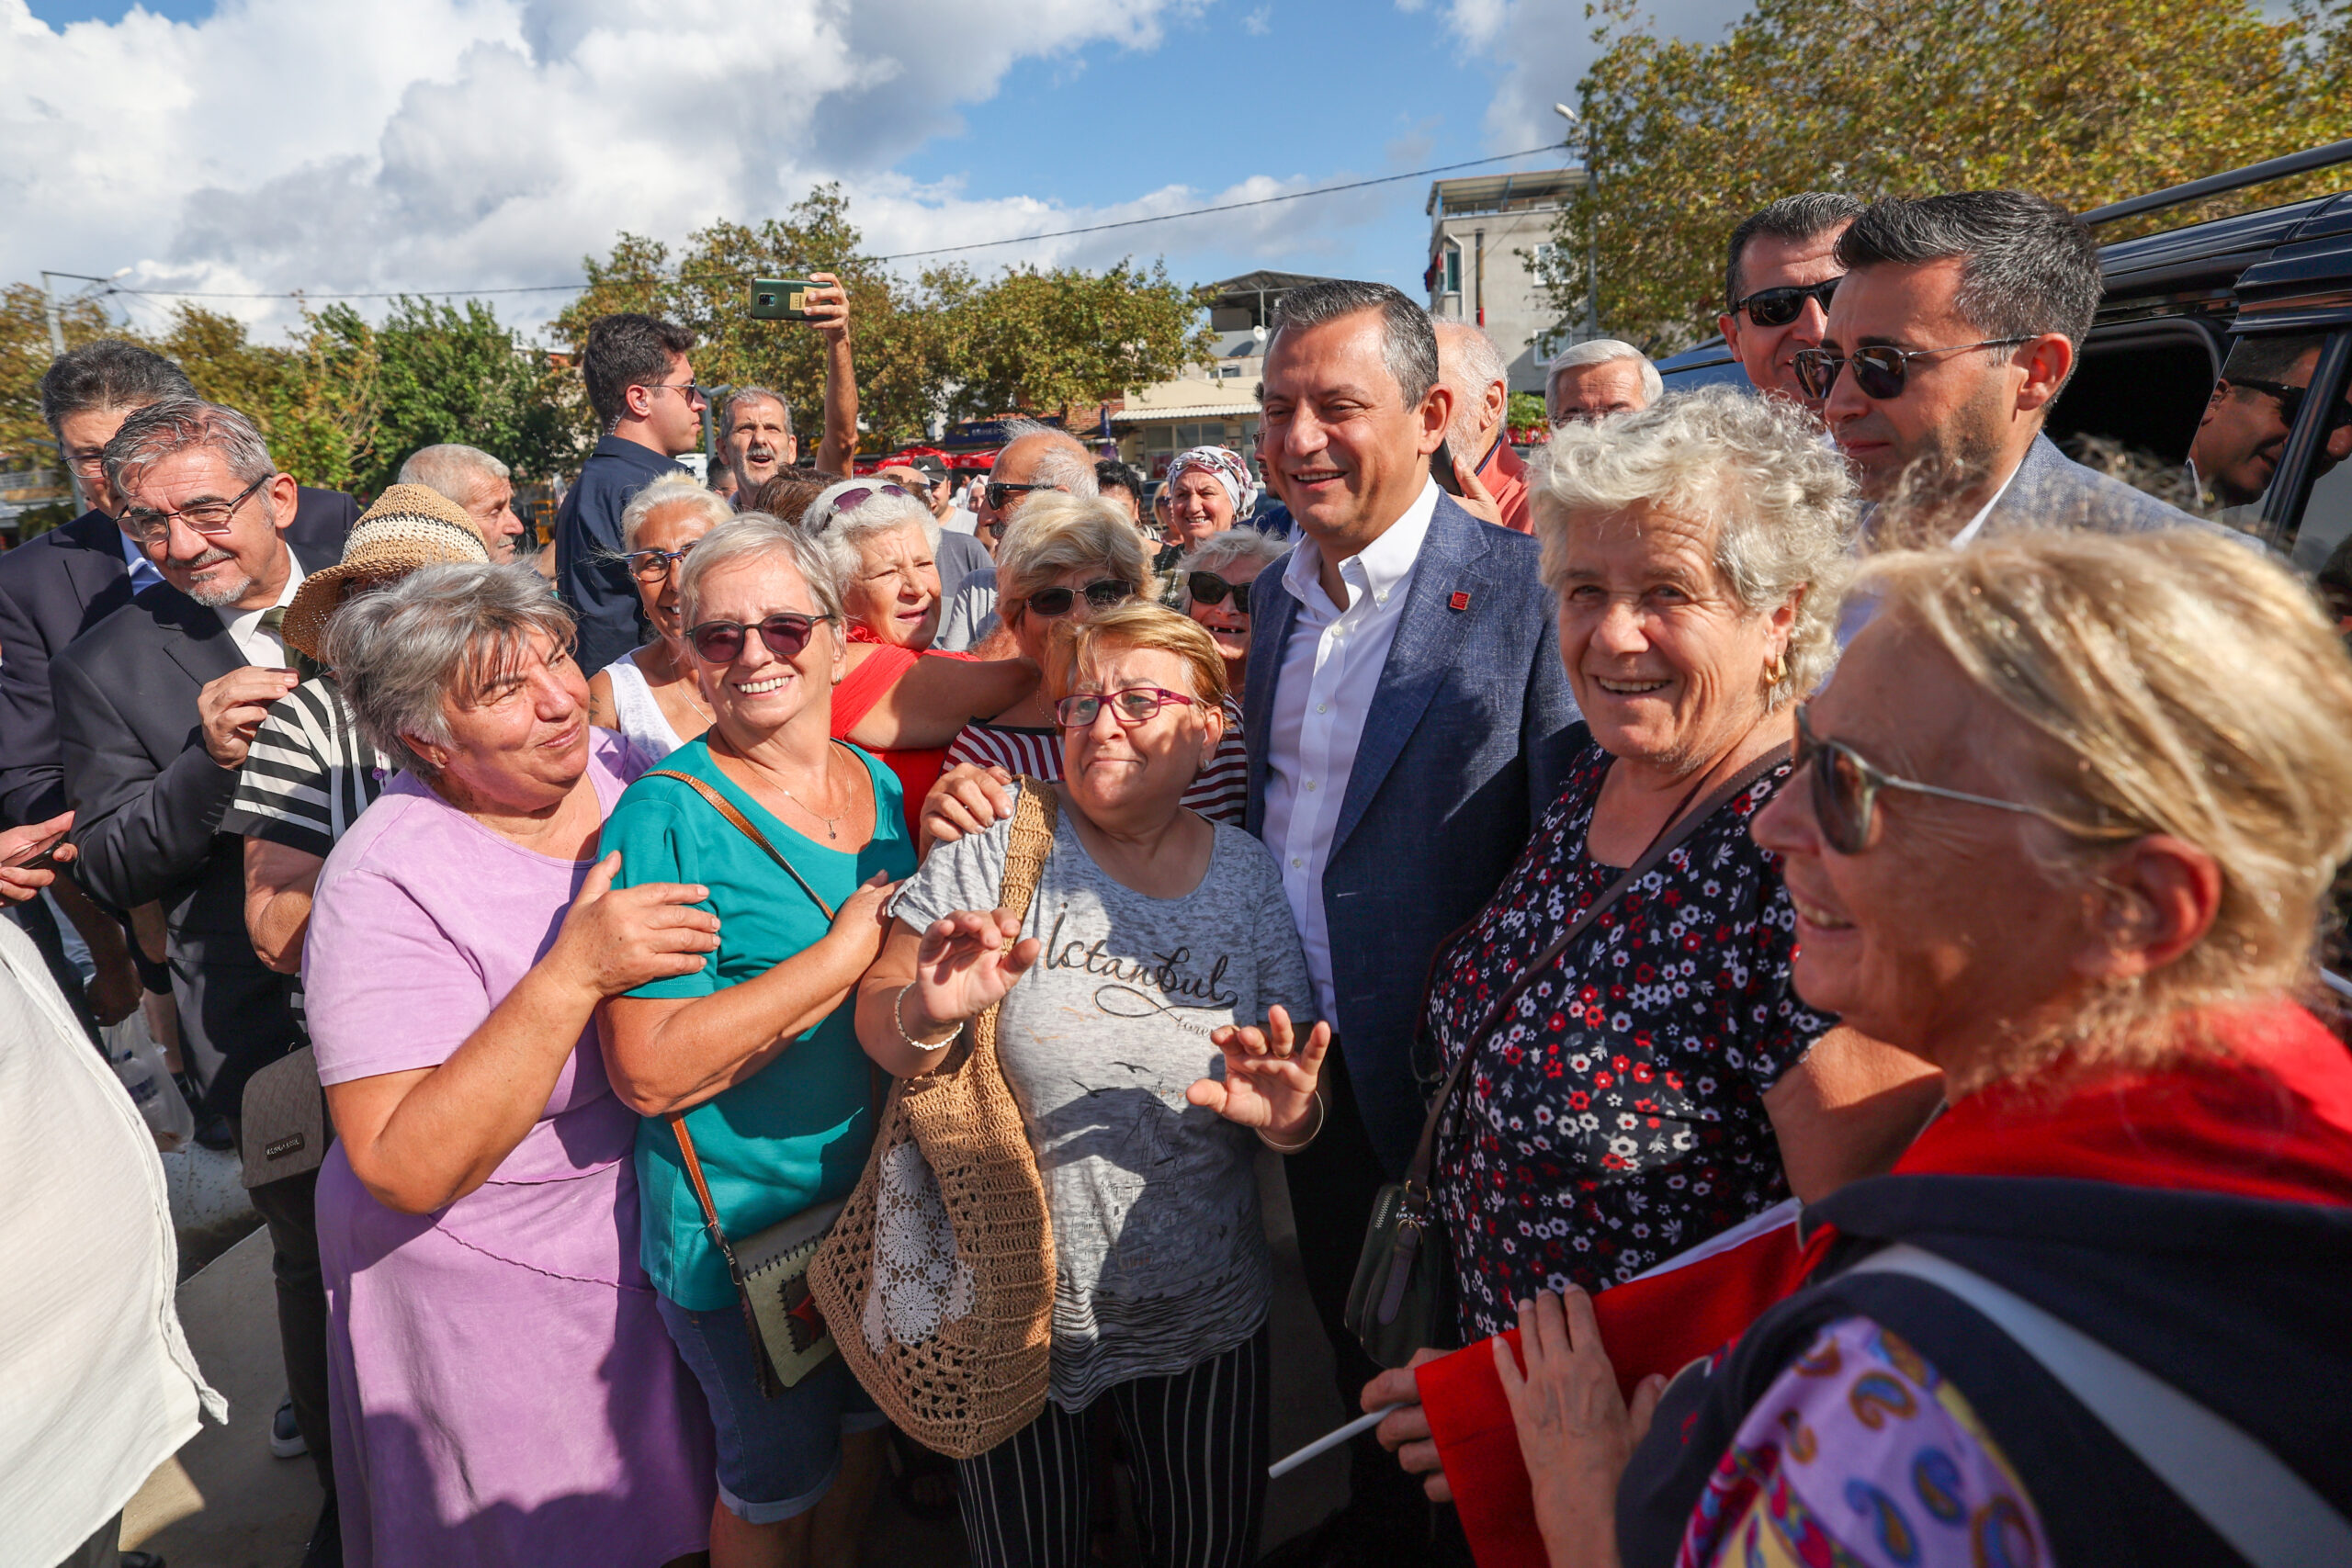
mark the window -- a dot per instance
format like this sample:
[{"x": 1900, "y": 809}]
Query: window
[{"x": 1452, "y": 268}]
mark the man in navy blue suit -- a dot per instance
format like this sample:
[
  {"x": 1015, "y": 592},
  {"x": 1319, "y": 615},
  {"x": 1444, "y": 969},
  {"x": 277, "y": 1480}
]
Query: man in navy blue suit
[{"x": 1408, "y": 722}]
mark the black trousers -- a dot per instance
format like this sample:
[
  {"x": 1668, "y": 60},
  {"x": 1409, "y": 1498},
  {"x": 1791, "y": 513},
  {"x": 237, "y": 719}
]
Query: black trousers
[
  {"x": 290, "y": 1210},
  {"x": 1198, "y": 1444},
  {"x": 33, "y": 918}
]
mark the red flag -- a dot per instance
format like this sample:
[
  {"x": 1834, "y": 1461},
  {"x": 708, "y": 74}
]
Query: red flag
[{"x": 1687, "y": 1306}]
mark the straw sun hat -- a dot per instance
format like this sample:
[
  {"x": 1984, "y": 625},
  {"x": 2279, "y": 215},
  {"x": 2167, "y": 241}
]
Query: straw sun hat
[{"x": 408, "y": 527}]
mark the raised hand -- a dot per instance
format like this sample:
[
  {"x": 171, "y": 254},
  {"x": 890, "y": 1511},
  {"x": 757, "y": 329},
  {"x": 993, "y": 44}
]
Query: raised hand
[
  {"x": 828, "y": 305},
  {"x": 1270, "y": 1078},
  {"x": 965, "y": 963},
  {"x": 613, "y": 941}
]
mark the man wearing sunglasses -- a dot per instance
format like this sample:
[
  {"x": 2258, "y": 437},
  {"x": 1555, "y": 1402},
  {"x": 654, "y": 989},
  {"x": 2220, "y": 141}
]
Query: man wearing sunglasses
[
  {"x": 1034, "y": 460},
  {"x": 2243, "y": 430},
  {"x": 1777, "y": 281},
  {"x": 1957, "y": 323},
  {"x": 643, "y": 389}
]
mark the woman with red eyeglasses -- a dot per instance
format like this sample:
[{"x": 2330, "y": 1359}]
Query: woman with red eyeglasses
[{"x": 1155, "y": 942}]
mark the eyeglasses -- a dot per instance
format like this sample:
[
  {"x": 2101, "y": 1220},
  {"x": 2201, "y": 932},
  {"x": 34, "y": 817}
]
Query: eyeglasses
[
  {"x": 851, "y": 498},
  {"x": 87, "y": 462},
  {"x": 149, "y": 526},
  {"x": 1132, "y": 706},
  {"x": 1001, "y": 493},
  {"x": 1101, "y": 595},
  {"x": 652, "y": 566},
  {"x": 721, "y": 642},
  {"x": 1208, "y": 588},
  {"x": 2290, "y": 403},
  {"x": 1880, "y": 370},
  {"x": 1779, "y": 307},
  {"x": 1845, "y": 787}
]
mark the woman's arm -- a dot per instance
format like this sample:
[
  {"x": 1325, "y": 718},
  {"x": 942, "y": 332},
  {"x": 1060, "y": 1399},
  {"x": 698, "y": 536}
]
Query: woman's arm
[
  {"x": 279, "y": 881},
  {"x": 421, "y": 1140},
  {"x": 667, "y": 1054},
  {"x": 600, "y": 701},
  {"x": 936, "y": 697},
  {"x": 913, "y": 1002},
  {"x": 1849, "y": 1110}
]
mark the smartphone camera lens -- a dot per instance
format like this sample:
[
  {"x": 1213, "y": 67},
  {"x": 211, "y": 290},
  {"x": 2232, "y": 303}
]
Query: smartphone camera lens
[{"x": 766, "y": 301}]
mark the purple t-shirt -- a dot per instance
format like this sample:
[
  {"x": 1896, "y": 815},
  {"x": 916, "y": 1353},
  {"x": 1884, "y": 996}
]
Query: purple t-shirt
[{"x": 422, "y": 921}]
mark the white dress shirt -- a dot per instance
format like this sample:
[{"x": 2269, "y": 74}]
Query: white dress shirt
[
  {"x": 1331, "y": 668},
  {"x": 1976, "y": 524},
  {"x": 259, "y": 647}
]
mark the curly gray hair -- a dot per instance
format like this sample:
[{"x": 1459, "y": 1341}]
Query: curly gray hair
[
  {"x": 1781, "y": 501},
  {"x": 840, "y": 537}
]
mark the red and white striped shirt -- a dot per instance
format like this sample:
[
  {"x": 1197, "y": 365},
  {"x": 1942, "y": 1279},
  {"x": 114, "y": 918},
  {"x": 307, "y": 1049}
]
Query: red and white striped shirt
[{"x": 1221, "y": 794}]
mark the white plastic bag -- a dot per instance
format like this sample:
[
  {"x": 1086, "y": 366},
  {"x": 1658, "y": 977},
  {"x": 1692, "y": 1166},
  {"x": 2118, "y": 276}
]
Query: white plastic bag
[{"x": 137, "y": 1061}]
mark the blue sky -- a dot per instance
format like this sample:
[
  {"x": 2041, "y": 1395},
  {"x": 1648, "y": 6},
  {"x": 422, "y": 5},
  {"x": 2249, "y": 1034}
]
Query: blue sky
[{"x": 354, "y": 145}]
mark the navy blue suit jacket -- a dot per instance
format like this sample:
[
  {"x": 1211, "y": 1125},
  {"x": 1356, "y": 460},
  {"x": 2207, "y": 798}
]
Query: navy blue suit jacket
[
  {"x": 57, "y": 586},
  {"x": 590, "y": 573},
  {"x": 1468, "y": 744}
]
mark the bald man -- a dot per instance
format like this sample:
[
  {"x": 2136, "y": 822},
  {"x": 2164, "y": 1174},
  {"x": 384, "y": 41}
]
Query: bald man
[
  {"x": 1037, "y": 458},
  {"x": 1493, "y": 480}
]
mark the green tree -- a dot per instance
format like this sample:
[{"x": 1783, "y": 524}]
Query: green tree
[
  {"x": 1066, "y": 338},
  {"x": 25, "y": 353},
  {"x": 447, "y": 374},
  {"x": 313, "y": 399},
  {"x": 2084, "y": 101}
]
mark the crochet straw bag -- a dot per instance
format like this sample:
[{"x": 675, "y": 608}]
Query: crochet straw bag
[{"x": 938, "y": 1278}]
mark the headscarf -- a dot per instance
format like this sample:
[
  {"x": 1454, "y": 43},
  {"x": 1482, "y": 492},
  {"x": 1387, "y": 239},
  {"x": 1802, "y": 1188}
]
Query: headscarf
[{"x": 1229, "y": 470}]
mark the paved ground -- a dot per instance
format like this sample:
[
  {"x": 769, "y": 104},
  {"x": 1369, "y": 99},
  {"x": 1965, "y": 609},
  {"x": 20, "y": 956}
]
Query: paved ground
[{"x": 222, "y": 1502}]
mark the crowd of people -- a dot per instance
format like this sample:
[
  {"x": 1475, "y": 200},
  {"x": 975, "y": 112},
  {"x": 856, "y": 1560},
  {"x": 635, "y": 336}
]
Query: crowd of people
[{"x": 1820, "y": 794}]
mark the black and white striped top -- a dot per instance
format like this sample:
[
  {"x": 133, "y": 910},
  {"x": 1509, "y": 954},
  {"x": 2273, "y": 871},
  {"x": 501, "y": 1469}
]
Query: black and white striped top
[
  {"x": 309, "y": 774},
  {"x": 1221, "y": 794}
]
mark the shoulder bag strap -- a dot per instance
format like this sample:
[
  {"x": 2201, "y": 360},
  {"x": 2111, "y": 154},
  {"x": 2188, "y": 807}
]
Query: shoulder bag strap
[
  {"x": 677, "y": 1120},
  {"x": 1033, "y": 816},
  {"x": 1670, "y": 836},
  {"x": 2268, "y": 1514},
  {"x": 725, "y": 808}
]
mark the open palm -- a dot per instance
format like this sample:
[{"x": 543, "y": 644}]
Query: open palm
[
  {"x": 967, "y": 961},
  {"x": 1270, "y": 1078}
]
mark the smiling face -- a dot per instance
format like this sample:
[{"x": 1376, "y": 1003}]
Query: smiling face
[
  {"x": 1199, "y": 506},
  {"x": 894, "y": 594},
  {"x": 521, "y": 743},
  {"x": 1668, "y": 667},
  {"x": 1944, "y": 932},
  {"x": 244, "y": 567},
  {"x": 1117, "y": 767},
  {"x": 1353, "y": 454},
  {"x": 670, "y": 527},
  {"x": 1770, "y": 261},
  {"x": 1227, "y": 627},
  {"x": 761, "y": 692}
]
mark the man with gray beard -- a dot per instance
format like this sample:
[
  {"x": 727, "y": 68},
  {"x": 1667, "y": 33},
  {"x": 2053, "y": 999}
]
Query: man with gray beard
[{"x": 156, "y": 706}]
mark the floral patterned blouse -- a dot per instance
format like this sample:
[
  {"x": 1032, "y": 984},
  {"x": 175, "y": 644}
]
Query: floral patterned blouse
[{"x": 1616, "y": 1118}]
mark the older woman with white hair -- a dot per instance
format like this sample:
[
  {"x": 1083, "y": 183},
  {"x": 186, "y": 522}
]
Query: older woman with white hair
[
  {"x": 897, "y": 698},
  {"x": 2066, "y": 826},
  {"x": 648, "y": 694},
  {"x": 1065, "y": 560},
  {"x": 503, "y": 1390},
  {"x": 751, "y": 1062},
  {"x": 1213, "y": 582}
]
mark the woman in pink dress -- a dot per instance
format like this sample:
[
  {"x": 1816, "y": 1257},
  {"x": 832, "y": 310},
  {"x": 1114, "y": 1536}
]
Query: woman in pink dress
[{"x": 503, "y": 1390}]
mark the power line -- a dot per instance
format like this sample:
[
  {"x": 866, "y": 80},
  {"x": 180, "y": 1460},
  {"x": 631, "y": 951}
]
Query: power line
[{"x": 901, "y": 256}]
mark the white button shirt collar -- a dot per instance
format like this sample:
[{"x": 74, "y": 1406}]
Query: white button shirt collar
[
  {"x": 1329, "y": 673},
  {"x": 264, "y": 647}
]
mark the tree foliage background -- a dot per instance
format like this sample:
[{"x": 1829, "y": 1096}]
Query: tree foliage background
[{"x": 2084, "y": 101}]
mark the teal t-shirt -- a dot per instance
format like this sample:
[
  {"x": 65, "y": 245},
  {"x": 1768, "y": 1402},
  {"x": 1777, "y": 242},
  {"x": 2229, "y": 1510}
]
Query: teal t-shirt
[{"x": 796, "y": 1134}]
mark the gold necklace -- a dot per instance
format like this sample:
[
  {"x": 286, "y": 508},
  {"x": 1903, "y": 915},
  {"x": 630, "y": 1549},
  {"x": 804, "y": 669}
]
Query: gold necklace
[{"x": 832, "y": 831}]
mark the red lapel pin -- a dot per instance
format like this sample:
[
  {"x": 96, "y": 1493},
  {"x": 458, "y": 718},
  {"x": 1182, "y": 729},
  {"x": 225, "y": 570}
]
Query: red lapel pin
[{"x": 1460, "y": 601}]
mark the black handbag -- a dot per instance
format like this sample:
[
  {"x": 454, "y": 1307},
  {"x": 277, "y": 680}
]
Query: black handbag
[{"x": 1402, "y": 1300}]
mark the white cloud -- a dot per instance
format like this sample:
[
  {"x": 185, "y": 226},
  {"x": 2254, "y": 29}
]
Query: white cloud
[
  {"x": 343, "y": 145},
  {"x": 1259, "y": 22}
]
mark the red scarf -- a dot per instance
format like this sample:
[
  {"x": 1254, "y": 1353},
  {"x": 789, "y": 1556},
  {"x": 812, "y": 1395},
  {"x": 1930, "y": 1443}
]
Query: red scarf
[{"x": 2268, "y": 1116}]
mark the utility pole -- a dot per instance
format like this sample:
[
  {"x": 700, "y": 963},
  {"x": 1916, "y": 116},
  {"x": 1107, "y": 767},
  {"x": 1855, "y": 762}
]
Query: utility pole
[{"x": 48, "y": 304}]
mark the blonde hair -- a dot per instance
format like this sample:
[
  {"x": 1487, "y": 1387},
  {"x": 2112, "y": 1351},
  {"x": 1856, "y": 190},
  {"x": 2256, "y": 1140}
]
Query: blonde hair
[
  {"x": 1781, "y": 502},
  {"x": 2183, "y": 684},
  {"x": 1079, "y": 645},
  {"x": 1053, "y": 533}
]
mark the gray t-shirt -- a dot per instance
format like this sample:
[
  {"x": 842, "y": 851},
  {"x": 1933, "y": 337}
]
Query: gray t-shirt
[{"x": 1157, "y": 1242}]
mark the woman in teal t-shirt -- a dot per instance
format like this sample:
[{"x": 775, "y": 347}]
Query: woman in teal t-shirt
[{"x": 758, "y": 1049}]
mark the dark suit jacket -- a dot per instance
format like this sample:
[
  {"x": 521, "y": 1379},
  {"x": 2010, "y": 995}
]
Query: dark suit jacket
[
  {"x": 590, "y": 573},
  {"x": 58, "y": 586},
  {"x": 1468, "y": 744},
  {"x": 148, "y": 799}
]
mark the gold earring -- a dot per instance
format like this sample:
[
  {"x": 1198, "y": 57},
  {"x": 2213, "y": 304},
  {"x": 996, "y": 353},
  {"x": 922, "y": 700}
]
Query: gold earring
[{"x": 1778, "y": 671}]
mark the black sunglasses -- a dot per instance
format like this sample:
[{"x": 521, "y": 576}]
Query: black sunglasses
[
  {"x": 1001, "y": 493},
  {"x": 1052, "y": 602},
  {"x": 1880, "y": 370},
  {"x": 1208, "y": 588},
  {"x": 1845, "y": 787},
  {"x": 2290, "y": 403},
  {"x": 1779, "y": 307},
  {"x": 721, "y": 642}
]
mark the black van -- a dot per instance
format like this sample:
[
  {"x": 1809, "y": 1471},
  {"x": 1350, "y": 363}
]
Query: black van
[{"x": 2208, "y": 346}]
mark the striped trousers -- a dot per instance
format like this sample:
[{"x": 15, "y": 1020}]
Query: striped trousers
[{"x": 1198, "y": 1444}]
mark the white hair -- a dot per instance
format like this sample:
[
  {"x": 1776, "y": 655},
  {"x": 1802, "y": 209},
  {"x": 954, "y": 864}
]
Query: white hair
[
  {"x": 840, "y": 536},
  {"x": 1255, "y": 550},
  {"x": 1605, "y": 351},
  {"x": 1072, "y": 471},
  {"x": 670, "y": 490},
  {"x": 453, "y": 470},
  {"x": 755, "y": 536},
  {"x": 1472, "y": 353}
]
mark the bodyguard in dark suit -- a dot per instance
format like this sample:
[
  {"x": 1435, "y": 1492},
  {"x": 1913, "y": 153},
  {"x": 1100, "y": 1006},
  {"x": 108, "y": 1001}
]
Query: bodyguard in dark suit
[
  {"x": 155, "y": 708},
  {"x": 1407, "y": 722}
]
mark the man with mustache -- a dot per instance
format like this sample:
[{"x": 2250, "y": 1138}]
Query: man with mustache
[{"x": 155, "y": 708}]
